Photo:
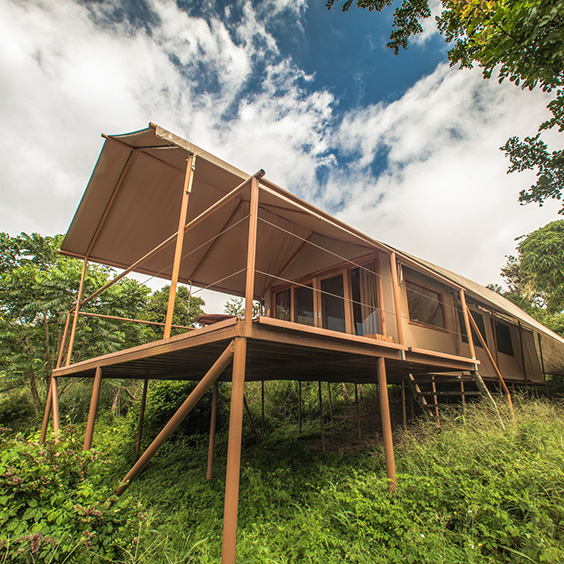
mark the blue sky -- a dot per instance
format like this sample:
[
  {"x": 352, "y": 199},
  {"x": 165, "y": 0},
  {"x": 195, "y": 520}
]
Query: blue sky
[{"x": 401, "y": 147}]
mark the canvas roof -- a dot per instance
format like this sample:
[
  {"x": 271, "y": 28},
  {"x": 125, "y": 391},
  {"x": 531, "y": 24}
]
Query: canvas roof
[{"x": 132, "y": 204}]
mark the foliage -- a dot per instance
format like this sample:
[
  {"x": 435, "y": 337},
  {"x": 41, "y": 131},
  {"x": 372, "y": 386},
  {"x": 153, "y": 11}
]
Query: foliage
[
  {"x": 16, "y": 409},
  {"x": 37, "y": 289},
  {"x": 57, "y": 508},
  {"x": 522, "y": 40},
  {"x": 236, "y": 307},
  {"x": 536, "y": 274},
  {"x": 186, "y": 308}
]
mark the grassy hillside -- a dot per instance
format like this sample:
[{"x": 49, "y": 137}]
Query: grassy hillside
[{"x": 470, "y": 492}]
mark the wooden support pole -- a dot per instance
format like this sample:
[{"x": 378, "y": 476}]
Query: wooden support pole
[
  {"x": 435, "y": 402},
  {"x": 262, "y": 408},
  {"x": 229, "y": 545},
  {"x": 386, "y": 425},
  {"x": 251, "y": 252},
  {"x": 467, "y": 316},
  {"x": 187, "y": 189},
  {"x": 213, "y": 423},
  {"x": 356, "y": 409},
  {"x": 205, "y": 383},
  {"x": 397, "y": 298},
  {"x": 47, "y": 413},
  {"x": 299, "y": 407},
  {"x": 321, "y": 419},
  {"x": 462, "y": 392},
  {"x": 330, "y": 402},
  {"x": 92, "y": 411},
  {"x": 55, "y": 404},
  {"x": 76, "y": 310},
  {"x": 141, "y": 418},
  {"x": 250, "y": 420},
  {"x": 403, "y": 407},
  {"x": 502, "y": 384}
]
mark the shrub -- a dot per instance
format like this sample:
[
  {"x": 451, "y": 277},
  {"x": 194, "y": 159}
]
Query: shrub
[{"x": 55, "y": 507}]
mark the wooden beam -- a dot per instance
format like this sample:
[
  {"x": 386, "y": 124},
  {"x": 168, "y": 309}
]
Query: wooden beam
[
  {"x": 208, "y": 380},
  {"x": 397, "y": 297},
  {"x": 229, "y": 544},
  {"x": 76, "y": 310},
  {"x": 141, "y": 418},
  {"x": 92, "y": 411},
  {"x": 321, "y": 418},
  {"x": 55, "y": 403},
  {"x": 187, "y": 190},
  {"x": 386, "y": 425},
  {"x": 251, "y": 252},
  {"x": 467, "y": 315},
  {"x": 213, "y": 423}
]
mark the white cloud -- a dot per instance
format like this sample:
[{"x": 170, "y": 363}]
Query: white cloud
[{"x": 65, "y": 77}]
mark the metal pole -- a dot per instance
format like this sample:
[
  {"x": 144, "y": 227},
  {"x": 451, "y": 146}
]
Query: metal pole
[
  {"x": 330, "y": 402},
  {"x": 356, "y": 408},
  {"x": 212, "y": 375},
  {"x": 232, "y": 476},
  {"x": 213, "y": 422},
  {"x": 187, "y": 189},
  {"x": 386, "y": 425},
  {"x": 299, "y": 406},
  {"x": 141, "y": 418},
  {"x": 321, "y": 419},
  {"x": 92, "y": 411}
]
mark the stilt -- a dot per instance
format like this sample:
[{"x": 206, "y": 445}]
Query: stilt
[
  {"x": 141, "y": 418},
  {"x": 330, "y": 402},
  {"x": 213, "y": 421},
  {"x": 55, "y": 405},
  {"x": 300, "y": 407},
  {"x": 403, "y": 408},
  {"x": 250, "y": 420},
  {"x": 92, "y": 411},
  {"x": 228, "y": 551},
  {"x": 262, "y": 408},
  {"x": 321, "y": 419},
  {"x": 345, "y": 392},
  {"x": 356, "y": 409},
  {"x": 47, "y": 413},
  {"x": 211, "y": 376},
  {"x": 386, "y": 425},
  {"x": 463, "y": 395},
  {"x": 435, "y": 401}
]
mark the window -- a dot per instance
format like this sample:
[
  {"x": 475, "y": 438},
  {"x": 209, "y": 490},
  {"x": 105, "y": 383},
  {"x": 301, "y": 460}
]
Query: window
[
  {"x": 479, "y": 322},
  {"x": 333, "y": 303},
  {"x": 303, "y": 305},
  {"x": 504, "y": 343},
  {"x": 364, "y": 294},
  {"x": 283, "y": 305},
  {"x": 425, "y": 306}
]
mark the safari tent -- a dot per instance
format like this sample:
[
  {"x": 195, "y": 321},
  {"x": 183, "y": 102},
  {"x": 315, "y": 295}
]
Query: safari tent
[{"x": 335, "y": 304}]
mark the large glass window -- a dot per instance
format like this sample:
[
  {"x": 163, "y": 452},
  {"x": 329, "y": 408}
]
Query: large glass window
[
  {"x": 477, "y": 317},
  {"x": 303, "y": 305},
  {"x": 425, "y": 306},
  {"x": 364, "y": 294},
  {"x": 504, "y": 343},
  {"x": 333, "y": 303},
  {"x": 283, "y": 305}
]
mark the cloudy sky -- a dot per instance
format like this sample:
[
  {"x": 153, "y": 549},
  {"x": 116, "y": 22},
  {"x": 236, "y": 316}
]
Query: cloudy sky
[{"x": 402, "y": 147}]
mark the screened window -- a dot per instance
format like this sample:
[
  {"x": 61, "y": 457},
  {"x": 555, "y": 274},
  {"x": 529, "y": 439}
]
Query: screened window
[
  {"x": 366, "y": 315},
  {"x": 479, "y": 322},
  {"x": 333, "y": 303},
  {"x": 283, "y": 305},
  {"x": 303, "y": 305},
  {"x": 425, "y": 306},
  {"x": 504, "y": 343}
]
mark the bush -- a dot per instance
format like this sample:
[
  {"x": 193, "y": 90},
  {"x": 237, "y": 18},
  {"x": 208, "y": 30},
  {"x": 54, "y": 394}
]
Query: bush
[
  {"x": 16, "y": 410},
  {"x": 56, "y": 507}
]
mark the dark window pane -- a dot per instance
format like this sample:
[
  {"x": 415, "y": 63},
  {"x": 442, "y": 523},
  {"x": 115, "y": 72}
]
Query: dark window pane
[
  {"x": 479, "y": 322},
  {"x": 283, "y": 305},
  {"x": 365, "y": 300},
  {"x": 425, "y": 306},
  {"x": 303, "y": 305},
  {"x": 333, "y": 304},
  {"x": 504, "y": 343}
]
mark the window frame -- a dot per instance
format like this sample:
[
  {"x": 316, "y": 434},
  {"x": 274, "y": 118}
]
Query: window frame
[{"x": 439, "y": 293}]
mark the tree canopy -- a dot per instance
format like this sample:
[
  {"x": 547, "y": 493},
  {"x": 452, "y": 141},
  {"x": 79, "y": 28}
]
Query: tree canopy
[{"x": 520, "y": 40}]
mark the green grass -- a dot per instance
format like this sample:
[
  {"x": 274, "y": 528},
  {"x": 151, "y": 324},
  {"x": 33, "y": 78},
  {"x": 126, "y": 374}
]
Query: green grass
[{"x": 470, "y": 492}]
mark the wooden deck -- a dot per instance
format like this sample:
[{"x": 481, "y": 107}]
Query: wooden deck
[{"x": 276, "y": 350}]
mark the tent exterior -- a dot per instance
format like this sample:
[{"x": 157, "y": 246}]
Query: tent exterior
[{"x": 335, "y": 304}]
